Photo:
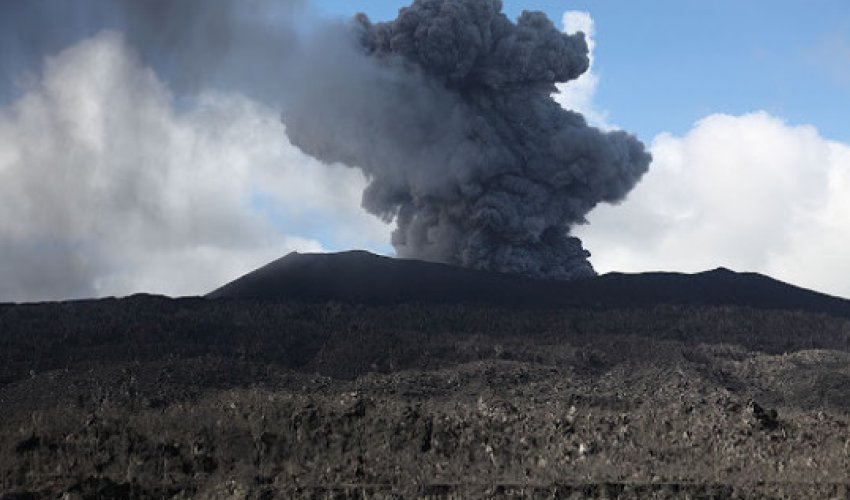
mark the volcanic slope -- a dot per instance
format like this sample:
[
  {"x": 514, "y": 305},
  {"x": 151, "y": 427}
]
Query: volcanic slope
[
  {"x": 359, "y": 376},
  {"x": 365, "y": 278}
]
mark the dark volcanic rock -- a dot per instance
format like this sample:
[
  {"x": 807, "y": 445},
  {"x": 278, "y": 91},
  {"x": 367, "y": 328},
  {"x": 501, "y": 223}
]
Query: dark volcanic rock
[
  {"x": 364, "y": 278},
  {"x": 353, "y": 378}
]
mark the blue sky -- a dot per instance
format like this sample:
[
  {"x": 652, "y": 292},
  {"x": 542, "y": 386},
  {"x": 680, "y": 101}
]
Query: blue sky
[{"x": 665, "y": 64}]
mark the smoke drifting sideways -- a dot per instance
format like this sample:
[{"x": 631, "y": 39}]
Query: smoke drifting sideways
[
  {"x": 448, "y": 111},
  {"x": 232, "y": 45}
]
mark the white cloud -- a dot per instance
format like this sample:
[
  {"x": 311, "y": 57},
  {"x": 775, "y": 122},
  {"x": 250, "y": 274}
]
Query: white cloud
[
  {"x": 107, "y": 186},
  {"x": 747, "y": 192},
  {"x": 577, "y": 95}
]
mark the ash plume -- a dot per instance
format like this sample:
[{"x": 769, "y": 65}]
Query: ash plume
[
  {"x": 448, "y": 112},
  {"x": 192, "y": 44}
]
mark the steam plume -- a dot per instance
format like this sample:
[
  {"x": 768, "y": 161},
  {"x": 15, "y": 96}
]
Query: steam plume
[{"x": 448, "y": 112}]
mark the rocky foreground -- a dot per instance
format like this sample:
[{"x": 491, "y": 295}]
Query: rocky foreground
[{"x": 149, "y": 397}]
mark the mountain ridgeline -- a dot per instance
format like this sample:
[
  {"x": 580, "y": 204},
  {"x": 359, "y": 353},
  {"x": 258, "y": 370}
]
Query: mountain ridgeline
[{"x": 364, "y": 278}]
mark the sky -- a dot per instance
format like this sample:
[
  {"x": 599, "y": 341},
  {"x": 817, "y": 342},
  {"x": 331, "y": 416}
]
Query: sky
[
  {"x": 119, "y": 175},
  {"x": 665, "y": 64}
]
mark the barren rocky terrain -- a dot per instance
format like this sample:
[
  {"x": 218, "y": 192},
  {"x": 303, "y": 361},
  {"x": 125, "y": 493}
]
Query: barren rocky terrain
[{"x": 150, "y": 397}]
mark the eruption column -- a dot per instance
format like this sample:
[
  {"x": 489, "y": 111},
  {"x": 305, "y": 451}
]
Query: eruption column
[{"x": 448, "y": 112}]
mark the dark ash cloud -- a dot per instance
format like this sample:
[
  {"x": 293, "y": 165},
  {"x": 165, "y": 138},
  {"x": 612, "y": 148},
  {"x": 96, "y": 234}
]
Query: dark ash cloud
[
  {"x": 192, "y": 44},
  {"x": 448, "y": 111}
]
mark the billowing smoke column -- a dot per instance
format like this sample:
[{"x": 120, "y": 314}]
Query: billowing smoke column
[{"x": 448, "y": 112}]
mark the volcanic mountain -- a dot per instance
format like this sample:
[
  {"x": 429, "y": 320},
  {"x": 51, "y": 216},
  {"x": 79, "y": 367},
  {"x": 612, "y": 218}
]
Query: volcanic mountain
[
  {"x": 352, "y": 375},
  {"x": 364, "y": 278}
]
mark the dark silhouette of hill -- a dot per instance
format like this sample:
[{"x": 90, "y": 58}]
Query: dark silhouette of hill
[{"x": 365, "y": 278}]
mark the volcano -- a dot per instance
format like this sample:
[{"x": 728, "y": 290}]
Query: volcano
[
  {"x": 352, "y": 375},
  {"x": 365, "y": 278}
]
